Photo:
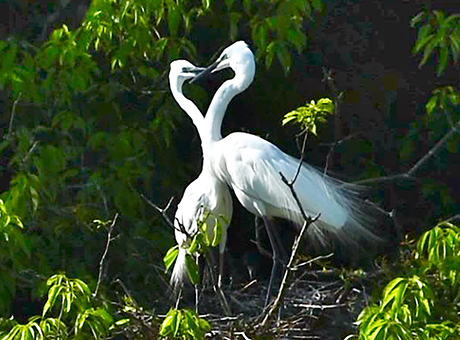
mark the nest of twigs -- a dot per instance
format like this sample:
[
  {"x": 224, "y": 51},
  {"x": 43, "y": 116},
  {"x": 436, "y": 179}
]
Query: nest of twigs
[{"x": 318, "y": 304}]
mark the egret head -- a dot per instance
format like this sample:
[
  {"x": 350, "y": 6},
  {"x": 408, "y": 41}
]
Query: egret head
[
  {"x": 238, "y": 57},
  {"x": 181, "y": 70}
]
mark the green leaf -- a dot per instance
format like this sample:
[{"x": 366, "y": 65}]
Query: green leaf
[
  {"x": 53, "y": 294},
  {"x": 206, "y": 4},
  {"x": 417, "y": 19},
  {"x": 192, "y": 269},
  {"x": 442, "y": 64},
  {"x": 394, "y": 293},
  {"x": 229, "y": 4},
  {"x": 424, "y": 36},
  {"x": 171, "y": 256},
  {"x": 218, "y": 231},
  {"x": 174, "y": 18},
  {"x": 284, "y": 57},
  {"x": 428, "y": 51},
  {"x": 234, "y": 20},
  {"x": 194, "y": 244},
  {"x": 297, "y": 37},
  {"x": 317, "y": 4},
  {"x": 169, "y": 323},
  {"x": 432, "y": 105}
]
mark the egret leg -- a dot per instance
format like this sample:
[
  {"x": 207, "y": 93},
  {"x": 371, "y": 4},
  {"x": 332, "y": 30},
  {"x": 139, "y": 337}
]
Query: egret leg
[
  {"x": 221, "y": 270},
  {"x": 217, "y": 289},
  {"x": 283, "y": 256},
  {"x": 222, "y": 244},
  {"x": 274, "y": 243}
]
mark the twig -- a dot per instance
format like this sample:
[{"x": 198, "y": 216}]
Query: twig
[
  {"x": 127, "y": 292},
  {"x": 301, "y": 305},
  {"x": 104, "y": 199},
  {"x": 217, "y": 289},
  {"x": 306, "y": 263},
  {"x": 332, "y": 147},
  {"x": 101, "y": 263},
  {"x": 434, "y": 149},
  {"x": 242, "y": 334},
  {"x": 295, "y": 248},
  {"x": 307, "y": 222},
  {"x": 287, "y": 273},
  {"x": 299, "y": 167},
  {"x": 162, "y": 211},
  {"x": 13, "y": 112},
  {"x": 409, "y": 174},
  {"x": 32, "y": 148},
  {"x": 329, "y": 79},
  {"x": 453, "y": 218}
]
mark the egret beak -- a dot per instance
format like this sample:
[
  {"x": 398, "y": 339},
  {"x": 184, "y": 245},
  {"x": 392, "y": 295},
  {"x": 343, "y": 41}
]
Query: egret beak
[
  {"x": 194, "y": 70},
  {"x": 205, "y": 71}
]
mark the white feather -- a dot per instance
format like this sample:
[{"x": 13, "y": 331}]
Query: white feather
[{"x": 206, "y": 197}]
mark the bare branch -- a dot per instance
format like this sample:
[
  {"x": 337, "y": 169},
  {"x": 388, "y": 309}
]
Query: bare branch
[
  {"x": 162, "y": 211},
  {"x": 410, "y": 173},
  {"x": 217, "y": 288},
  {"x": 453, "y": 218},
  {"x": 32, "y": 148},
  {"x": 13, "y": 112},
  {"x": 302, "y": 152},
  {"x": 287, "y": 273},
  {"x": 433, "y": 150},
  {"x": 104, "y": 255},
  {"x": 332, "y": 147},
  {"x": 295, "y": 248}
]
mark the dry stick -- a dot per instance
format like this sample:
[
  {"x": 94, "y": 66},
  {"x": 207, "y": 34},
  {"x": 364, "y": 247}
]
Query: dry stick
[
  {"x": 411, "y": 171},
  {"x": 217, "y": 289},
  {"x": 332, "y": 147},
  {"x": 289, "y": 269},
  {"x": 13, "y": 112},
  {"x": 307, "y": 222},
  {"x": 453, "y": 218},
  {"x": 162, "y": 211},
  {"x": 337, "y": 97},
  {"x": 101, "y": 263}
]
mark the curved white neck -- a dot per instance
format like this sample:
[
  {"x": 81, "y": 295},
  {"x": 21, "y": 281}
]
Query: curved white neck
[
  {"x": 216, "y": 111},
  {"x": 188, "y": 106}
]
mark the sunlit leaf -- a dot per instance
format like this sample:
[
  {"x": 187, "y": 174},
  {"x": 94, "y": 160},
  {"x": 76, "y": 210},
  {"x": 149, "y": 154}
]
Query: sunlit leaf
[
  {"x": 193, "y": 271},
  {"x": 171, "y": 256}
]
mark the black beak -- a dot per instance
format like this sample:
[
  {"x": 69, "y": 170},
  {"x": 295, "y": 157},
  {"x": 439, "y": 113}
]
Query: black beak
[
  {"x": 196, "y": 70},
  {"x": 205, "y": 72}
]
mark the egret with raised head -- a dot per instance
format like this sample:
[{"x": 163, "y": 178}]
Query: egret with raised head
[{"x": 251, "y": 166}]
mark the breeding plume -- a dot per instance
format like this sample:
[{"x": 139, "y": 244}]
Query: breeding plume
[
  {"x": 251, "y": 166},
  {"x": 206, "y": 197}
]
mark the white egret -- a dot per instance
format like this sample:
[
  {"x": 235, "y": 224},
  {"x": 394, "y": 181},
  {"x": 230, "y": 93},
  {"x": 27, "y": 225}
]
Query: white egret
[
  {"x": 251, "y": 166},
  {"x": 206, "y": 197}
]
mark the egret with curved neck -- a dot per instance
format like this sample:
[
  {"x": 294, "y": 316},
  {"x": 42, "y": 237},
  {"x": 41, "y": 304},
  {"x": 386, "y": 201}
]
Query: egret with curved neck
[
  {"x": 206, "y": 197},
  {"x": 251, "y": 166}
]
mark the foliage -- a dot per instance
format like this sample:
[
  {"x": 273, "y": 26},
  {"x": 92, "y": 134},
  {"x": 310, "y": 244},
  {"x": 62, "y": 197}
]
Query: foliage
[
  {"x": 439, "y": 34},
  {"x": 208, "y": 234},
  {"x": 184, "y": 324},
  {"x": 309, "y": 115},
  {"x": 423, "y": 303},
  {"x": 442, "y": 110},
  {"x": 76, "y": 313},
  {"x": 91, "y": 124}
]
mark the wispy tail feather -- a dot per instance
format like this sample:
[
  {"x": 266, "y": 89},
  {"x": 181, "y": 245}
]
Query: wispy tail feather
[{"x": 179, "y": 274}]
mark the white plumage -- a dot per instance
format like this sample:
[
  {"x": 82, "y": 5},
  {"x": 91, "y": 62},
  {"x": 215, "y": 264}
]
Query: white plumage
[
  {"x": 206, "y": 196},
  {"x": 251, "y": 166}
]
